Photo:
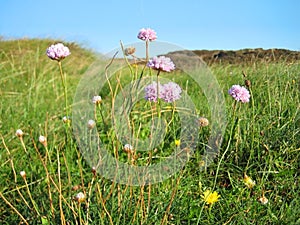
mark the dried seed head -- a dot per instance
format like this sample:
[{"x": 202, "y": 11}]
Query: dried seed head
[
  {"x": 203, "y": 122},
  {"x": 129, "y": 51},
  {"x": 248, "y": 83}
]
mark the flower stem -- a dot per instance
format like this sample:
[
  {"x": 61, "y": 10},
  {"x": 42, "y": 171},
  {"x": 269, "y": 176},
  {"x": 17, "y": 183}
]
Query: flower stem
[
  {"x": 64, "y": 84},
  {"x": 147, "y": 51},
  {"x": 228, "y": 143}
]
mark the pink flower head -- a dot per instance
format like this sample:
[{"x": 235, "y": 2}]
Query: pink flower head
[
  {"x": 170, "y": 92},
  {"x": 147, "y": 34},
  {"x": 239, "y": 93},
  {"x": 151, "y": 92},
  {"x": 161, "y": 63},
  {"x": 58, "y": 52}
]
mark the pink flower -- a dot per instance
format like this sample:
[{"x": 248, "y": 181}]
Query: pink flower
[
  {"x": 170, "y": 92},
  {"x": 239, "y": 93},
  {"x": 151, "y": 91},
  {"x": 161, "y": 63},
  {"x": 58, "y": 52},
  {"x": 147, "y": 34}
]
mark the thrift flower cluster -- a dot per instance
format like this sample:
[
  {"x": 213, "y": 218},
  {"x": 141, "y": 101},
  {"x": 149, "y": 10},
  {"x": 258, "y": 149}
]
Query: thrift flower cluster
[
  {"x": 168, "y": 92},
  {"x": 147, "y": 34},
  {"x": 161, "y": 63},
  {"x": 58, "y": 52},
  {"x": 239, "y": 93}
]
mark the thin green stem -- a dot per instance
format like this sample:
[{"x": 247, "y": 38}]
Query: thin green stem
[
  {"x": 228, "y": 144},
  {"x": 64, "y": 84},
  {"x": 253, "y": 129},
  {"x": 199, "y": 216}
]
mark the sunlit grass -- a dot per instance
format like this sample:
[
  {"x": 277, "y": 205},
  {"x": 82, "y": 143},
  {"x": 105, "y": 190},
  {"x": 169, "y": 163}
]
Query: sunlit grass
[{"x": 261, "y": 141}]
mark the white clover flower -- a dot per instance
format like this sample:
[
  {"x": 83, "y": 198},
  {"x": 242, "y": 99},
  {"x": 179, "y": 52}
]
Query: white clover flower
[
  {"x": 91, "y": 124},
  {"x": 97, "y": 100},
  {"x": 19, "y": 133}
]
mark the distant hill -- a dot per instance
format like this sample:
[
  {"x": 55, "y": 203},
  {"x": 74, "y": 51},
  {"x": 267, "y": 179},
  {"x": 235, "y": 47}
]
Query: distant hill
[
  {"x": 82, "y": 56},
  {"x": 247, "y": 56}
]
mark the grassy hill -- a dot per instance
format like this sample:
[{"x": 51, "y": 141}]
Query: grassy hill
[{"x": 261, "y": 140}]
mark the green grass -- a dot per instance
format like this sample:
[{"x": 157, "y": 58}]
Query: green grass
[{"x": 262, "y": 139}]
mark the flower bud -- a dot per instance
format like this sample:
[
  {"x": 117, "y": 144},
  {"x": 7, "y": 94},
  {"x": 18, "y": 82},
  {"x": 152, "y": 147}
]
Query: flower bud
[
  {"x": 248, "y": 181},
  {"x": 66, "y": 119},
  {"x": 97, "y": 100},
  {"x": 91, "y": 124},
  {"x": 128, "y": 148},
  {"x": 23, "y": 174},
  {"x": 263, "y": 200},
  {"x": 19, "y": 133},
  {"x": 80, "y": 197},
  {"x": 43, "y": 140}
]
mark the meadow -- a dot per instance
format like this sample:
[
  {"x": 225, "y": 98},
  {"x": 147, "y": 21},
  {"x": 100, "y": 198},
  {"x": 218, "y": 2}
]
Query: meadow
[{"x": 253, "y": 179}]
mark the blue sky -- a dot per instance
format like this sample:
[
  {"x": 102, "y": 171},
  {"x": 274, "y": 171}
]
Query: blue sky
[{"x": 191, "y": 24}]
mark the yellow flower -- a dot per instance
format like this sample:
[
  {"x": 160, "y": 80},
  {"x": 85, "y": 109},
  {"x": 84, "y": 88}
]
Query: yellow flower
[
  {"x": 248, "y": 181},
  {"x": 210, "y": 197},
  {"x": 177, "y": 142}
]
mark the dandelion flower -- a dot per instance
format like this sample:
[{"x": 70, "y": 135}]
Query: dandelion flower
[
  {"x": 210, "y": 197},
  {"x": 248, "y": 181},
  {"x": 97, "y": 100},
  {"x": 147, "y": 34},
  {"x": 151, "y": 91},
  {"x": 177, "y": 142},
  {"x": 161, "y": 63},
  {"x": 80, "y": 197},
  {"x": 23, "y": 174},
  {"x": 203, "y": 122},
  {"x": 170, "y": 92},
  {"x": 91, "y": 124},
  {"x": 58, "y": 52},
  {"x": 239, "y": 93},
  {"x": 19, "y": 133}
]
